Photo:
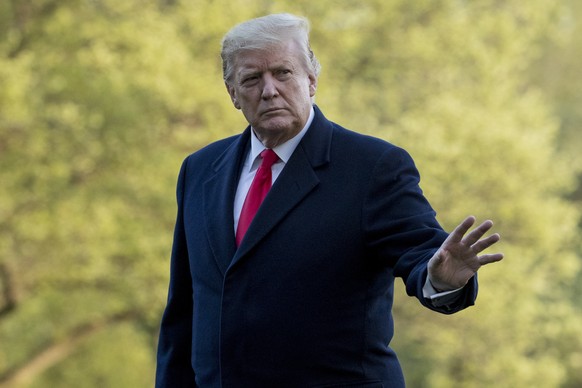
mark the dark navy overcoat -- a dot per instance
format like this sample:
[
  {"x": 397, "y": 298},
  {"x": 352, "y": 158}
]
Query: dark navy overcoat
[{"x": 306, "y": 300}]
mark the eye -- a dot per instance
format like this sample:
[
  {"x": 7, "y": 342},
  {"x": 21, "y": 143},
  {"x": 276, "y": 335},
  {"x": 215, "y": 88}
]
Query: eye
[
  {"x": 283, "y": 73},
  {"x": 250, "y": 80}
]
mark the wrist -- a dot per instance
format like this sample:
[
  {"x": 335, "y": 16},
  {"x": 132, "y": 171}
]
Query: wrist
[{"x": 439, "y": 286}]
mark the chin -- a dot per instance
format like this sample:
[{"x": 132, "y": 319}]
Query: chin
[
  {"x": 274, "y": 135},
  {"x": 276, "y": 125}
]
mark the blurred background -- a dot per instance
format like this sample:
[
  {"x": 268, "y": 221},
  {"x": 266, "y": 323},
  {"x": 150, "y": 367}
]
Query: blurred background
[{"x": 101, "y": 100}]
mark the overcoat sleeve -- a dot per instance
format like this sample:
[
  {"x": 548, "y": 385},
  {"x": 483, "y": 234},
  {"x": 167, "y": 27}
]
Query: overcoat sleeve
[
  {"x": 175, "y": 341},
  {"x": 402, "y": 230}
]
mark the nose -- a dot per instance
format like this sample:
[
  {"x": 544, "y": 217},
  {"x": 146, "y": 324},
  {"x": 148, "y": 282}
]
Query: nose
[{"x": 269, "y": 87}]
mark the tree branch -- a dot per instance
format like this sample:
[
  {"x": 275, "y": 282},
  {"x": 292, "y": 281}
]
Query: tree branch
[
  {"x": 59, "y": 351},
  {"x": 8, "y": 290}
]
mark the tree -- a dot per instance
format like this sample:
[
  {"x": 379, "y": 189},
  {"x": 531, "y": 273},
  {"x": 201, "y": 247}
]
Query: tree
[
  {"x": 446, "y": 81},
  {"x": 95, "y": 106},
  {"x": 101, "y": 100}
]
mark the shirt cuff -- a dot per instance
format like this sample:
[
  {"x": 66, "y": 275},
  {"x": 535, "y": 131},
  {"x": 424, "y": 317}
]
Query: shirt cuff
[{"x": 439, "y": 298}]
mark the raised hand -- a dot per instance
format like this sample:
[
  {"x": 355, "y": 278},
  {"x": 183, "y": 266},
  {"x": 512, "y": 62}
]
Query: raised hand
[{"x": 458, "y": 259}]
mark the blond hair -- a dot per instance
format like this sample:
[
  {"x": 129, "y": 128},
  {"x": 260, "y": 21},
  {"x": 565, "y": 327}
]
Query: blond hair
[{"x": 266, "y": 31}]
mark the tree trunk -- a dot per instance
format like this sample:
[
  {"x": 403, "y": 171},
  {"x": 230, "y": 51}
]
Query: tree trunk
[{"x": 58, "y": 351}]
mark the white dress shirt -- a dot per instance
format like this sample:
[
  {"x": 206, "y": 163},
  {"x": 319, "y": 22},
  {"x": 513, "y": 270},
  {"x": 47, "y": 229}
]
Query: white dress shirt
[
  {"x": 253, "y": 161},
  {"x": 284, "y": 152}
]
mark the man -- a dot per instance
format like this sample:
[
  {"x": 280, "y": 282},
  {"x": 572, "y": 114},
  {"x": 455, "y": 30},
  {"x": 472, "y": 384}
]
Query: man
[{"x": 300, "y": 294}]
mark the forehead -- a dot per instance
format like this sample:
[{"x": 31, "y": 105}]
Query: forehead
[{"x": 286, "y": 54}]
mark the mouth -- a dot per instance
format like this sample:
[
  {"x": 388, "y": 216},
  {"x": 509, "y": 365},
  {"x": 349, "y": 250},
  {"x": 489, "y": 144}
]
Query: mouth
[{"x": 271, "y": 111}]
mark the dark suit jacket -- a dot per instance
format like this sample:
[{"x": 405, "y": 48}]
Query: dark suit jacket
[{"x": 306, "y": 300}]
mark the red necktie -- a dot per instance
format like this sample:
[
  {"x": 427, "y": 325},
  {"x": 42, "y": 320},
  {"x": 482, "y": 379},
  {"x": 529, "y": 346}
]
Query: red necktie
[{"x": 257, "y": 193}]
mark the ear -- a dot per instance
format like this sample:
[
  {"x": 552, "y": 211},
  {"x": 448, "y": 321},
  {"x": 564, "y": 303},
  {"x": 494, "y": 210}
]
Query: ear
[
  {"x": 312, "y": 85},
  {"x": 232, "y": 93}
]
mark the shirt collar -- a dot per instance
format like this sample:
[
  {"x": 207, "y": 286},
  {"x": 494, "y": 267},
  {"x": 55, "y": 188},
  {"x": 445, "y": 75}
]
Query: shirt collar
[{"x": 283, "y": 151}]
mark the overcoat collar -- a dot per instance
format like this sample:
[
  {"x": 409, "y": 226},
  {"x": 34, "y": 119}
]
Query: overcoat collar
[{"x": 296, "y": 181}]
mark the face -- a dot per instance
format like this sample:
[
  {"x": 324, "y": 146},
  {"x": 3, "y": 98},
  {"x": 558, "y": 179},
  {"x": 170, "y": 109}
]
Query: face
[{"x": 273, "y": 90}]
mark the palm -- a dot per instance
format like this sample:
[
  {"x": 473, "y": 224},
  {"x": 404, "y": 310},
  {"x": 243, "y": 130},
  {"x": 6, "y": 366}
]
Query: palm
[{"x": 458, "y": 259}]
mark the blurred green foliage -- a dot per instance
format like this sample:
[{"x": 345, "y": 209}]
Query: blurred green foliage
[{"x": 101, "y": 100}]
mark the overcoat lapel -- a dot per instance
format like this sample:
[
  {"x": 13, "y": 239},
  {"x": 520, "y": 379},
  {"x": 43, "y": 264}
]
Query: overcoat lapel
[
  {"x": 294, "y": 183},
  {"x": 297, "y": 180},
  {"x": 219, "y": 192}
]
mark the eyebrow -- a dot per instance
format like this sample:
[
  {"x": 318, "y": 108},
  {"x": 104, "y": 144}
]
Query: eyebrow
[
  {"x": 252, "y": 70},
  {"x": 244, "y": 74}
]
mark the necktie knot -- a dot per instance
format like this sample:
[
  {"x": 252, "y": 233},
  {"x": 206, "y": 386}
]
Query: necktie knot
[{"x": 269, "y": 158}]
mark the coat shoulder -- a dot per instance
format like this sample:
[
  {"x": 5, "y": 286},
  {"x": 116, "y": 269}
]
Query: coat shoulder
[
  {"x": 213, "y": 150},
  {"x": 359, "y": 145}
]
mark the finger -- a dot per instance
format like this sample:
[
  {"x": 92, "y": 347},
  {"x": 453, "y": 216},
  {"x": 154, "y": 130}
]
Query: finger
[
  {"x": 485, "y": 243},
  {"x": 490, "y": 258},
  {"x": 458, "y": 233},
  {"x": 478, "y": 232}
]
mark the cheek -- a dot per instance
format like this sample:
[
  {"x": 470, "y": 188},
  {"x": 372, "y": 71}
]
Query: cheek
[
  {"x": 249, "y": 97},
  {"x": 241, "y": 100},
  {"x": 303, "y": 93},
  {"x": 249, "y": 109}
]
